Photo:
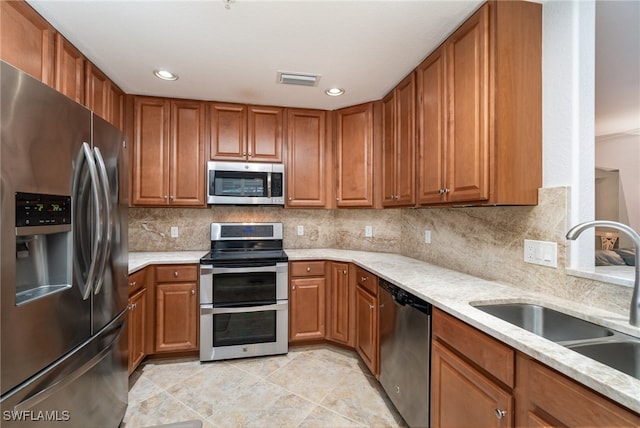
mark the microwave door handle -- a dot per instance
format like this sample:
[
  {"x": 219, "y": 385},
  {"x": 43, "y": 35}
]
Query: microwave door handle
[
  {"x": 107, "y": 210},
  {"x": 269, "y": 185},
  {"x": 85, "y": 155}
]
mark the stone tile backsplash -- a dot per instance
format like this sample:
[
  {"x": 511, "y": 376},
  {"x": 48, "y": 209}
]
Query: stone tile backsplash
[{"x": 483, "y": 241}]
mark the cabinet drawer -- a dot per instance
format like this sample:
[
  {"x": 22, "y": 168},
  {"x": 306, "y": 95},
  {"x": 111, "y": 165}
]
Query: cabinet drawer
[
  {"x": 136, "y": 280},
  {"x": 312, "y": 268},
  {"x": 367, "y": 280},
  {"x": 485, "y": 352},
  {"x": 176, "y": 273}
]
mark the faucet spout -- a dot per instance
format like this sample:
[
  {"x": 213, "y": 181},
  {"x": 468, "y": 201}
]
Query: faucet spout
[{"x": 575, "y": 231}]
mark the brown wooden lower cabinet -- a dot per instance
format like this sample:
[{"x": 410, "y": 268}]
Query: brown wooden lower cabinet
[
  {"x": 176, "y": 308},
  {"x": 137, "y": 329},
  {"x": 307, "y": 309},
  {"x": 478, "y": 381},
  {"x": 463, "y": 397},
  {"x": 339, "y": 302},
  {"x": 546, "y": 398},
  {"x": 366, "y": 307}
]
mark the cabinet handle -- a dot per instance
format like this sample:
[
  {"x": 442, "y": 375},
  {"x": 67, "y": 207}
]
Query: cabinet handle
[
  {"x": 363, "y": 278},
  {"x": 500, "y": 413},
  {"x": 445, "y": 191},
  {"x": 132, "y": 284},
  {"x": 371, "y": 307},
  {"x": 175, "y": 274},
  {"x": 308, "y": 269}
]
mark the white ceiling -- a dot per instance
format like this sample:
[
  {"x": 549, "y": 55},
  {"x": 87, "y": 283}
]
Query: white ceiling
[{"x": 365, "y": 47}]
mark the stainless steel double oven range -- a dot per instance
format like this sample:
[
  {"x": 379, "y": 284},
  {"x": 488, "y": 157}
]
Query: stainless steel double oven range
[{"x": 243, "y": 292}]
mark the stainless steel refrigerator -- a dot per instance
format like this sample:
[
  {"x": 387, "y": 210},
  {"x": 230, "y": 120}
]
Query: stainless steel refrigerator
[{"x": 63, "y": 237}]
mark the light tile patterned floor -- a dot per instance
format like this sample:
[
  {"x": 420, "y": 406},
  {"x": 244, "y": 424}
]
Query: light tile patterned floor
[{"x": 311, "y": 386}]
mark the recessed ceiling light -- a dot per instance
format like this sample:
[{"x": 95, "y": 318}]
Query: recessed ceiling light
[
  {"x": 165, "y": 74},
  {"x": 334, "y": 92}
]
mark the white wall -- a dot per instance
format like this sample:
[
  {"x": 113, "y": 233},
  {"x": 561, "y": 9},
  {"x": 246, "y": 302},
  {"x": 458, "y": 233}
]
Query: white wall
[{"x": 568, "y": 97}]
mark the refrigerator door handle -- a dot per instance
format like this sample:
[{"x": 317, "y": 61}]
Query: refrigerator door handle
[
  {"x": 85, "y": 155},
  {"x": 49, "y": 391},
  {"x": 107, "y": 224}
]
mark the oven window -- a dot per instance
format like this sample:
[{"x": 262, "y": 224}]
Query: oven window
[
  {"x": 244, "y": 289},
  {"x": 244, "y": 328},
  {"x": 246, "y": 184}
]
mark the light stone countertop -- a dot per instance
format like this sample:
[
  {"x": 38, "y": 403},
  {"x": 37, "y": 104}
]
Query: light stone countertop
[{"x": 453, "y": 292}]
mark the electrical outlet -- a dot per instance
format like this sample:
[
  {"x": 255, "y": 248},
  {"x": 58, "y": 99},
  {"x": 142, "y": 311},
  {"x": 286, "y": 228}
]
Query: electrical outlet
[
  {"x": 427, "y": 236},
  {"x": 368, "y": 231},
  {"x": 174, "y": 232},
  {"x": 300, "y": 230},
  {"x": 541, "y": 253}
]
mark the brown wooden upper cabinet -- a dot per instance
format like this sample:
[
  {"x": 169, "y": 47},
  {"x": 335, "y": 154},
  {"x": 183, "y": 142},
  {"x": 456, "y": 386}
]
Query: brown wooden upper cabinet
[
  {"x": 354, "y": 156},
  {"x": 103, "y": 96},
  {"x": 480, "y": 110},
  {"x": 399, "y": 138},
  {"x": 245, "y": 133},
  {"x": 27, "y": 40},
  {"x": 168, "y": 165},
  {"x": 306, "y": 159},
  {"x": 69, "y": 70}
]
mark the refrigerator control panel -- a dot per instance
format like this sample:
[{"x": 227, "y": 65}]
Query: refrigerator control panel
[{"x": 35, "y": 209}]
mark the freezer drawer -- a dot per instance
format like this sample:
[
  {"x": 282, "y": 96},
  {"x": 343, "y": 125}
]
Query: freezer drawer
[{"x": 86, "y": 388}]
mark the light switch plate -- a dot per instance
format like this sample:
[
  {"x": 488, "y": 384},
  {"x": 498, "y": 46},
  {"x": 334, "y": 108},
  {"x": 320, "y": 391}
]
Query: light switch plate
[
  {"x": 427, "y": 237},
  {"x": 174, "y": 232},
  {"x": 542, "y": 253},
  {"x": 368, "y": 231},
  {"x": 300, "y": 230}
]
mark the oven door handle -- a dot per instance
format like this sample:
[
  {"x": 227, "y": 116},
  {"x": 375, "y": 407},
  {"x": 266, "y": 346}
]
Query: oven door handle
[
  {"x": 276, "y": 268},
  {"x": 210, "y": 310}
]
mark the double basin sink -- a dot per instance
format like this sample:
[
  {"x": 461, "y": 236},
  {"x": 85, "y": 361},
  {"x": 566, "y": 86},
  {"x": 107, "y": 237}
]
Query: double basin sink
[{"x": 611, "y": 348}]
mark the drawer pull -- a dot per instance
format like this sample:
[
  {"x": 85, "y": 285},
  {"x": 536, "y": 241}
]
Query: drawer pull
[
  {"x": 175, "y": 274},
  {"x": 363, "y": 278},
  {"x": 193, "y": 292},
  {"x": 500, "y": 413},
  {"x": 132, "y": 284},
  {"x": 308, "y": 269}
]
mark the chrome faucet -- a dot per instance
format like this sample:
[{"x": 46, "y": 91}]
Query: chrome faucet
[{"x": 575, "y": 231}]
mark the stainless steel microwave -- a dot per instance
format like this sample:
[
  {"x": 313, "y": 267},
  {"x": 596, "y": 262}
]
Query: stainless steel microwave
[{"x": 241, "y": 183}]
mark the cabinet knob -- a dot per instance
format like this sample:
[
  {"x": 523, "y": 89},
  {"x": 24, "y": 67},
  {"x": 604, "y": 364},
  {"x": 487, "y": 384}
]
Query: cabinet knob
[
  {"x": 363, "y": 278},
  {"x": 371, "y": 307},
  {"x": 175, "y": 274},
  {"x": 132, "y": 284},
  {"x": 193, "y": 291},
  {"x": 250, "y": 154},
  {"x": 166, "y": 197},
  {"x": 244, "y": 153},
  {"x": 445, "y": 191},
  {"x": 337, "y": 199},
  {"x": 308, "y": 269},
  {"x": 293, "y": 288},
  {"x": 171, "y": 198},
  {"x": 500, "y": 413},
  {"x": 344, "y": 272},
  {"x": 290, "y": 198}
]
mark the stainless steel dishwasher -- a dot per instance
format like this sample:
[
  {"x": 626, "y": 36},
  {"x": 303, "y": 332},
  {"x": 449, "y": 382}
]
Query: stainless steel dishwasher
[{"x": 405, "y": 352}]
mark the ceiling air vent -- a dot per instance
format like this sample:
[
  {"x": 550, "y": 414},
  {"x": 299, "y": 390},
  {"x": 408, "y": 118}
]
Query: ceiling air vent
[{"x": 306, "y": 79}]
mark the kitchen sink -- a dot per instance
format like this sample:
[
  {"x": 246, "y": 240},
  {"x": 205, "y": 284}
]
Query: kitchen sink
[
  {"x": 548, "y": 323},
  {"x": 620, "y": 355}
]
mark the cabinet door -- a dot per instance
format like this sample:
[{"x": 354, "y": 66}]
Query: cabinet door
[
  {"x": 26, "y": 40},
  {"x": 463, "y": 397},
  {"x": 264, "y": 132},
  {"x": 339, "y": 302},
  {"x": 547, "y": 398},
  {"x": 176, "y": 317},
  {"x": 389, "y": 149},
  {"x": 431, "y": 126},
  {"x": 354, "y": 156},
  {"x": 150, "y": 154},
  {"x": 405, "y": 142},
  {"x": 367, "y": 329},
  {"x": 227, "y": 130},
  {"x": 467, "y": 77},
  {"x": 187, "y": 163},
  {"x": 97, "y": 91},
  {"x": 306, "y": 145},
  {"x": 69, "y": 70},
  {"x": 137, "y": 328},
  {"x": 116, "y": 103},
  {"x": 307, "y": 309}
]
